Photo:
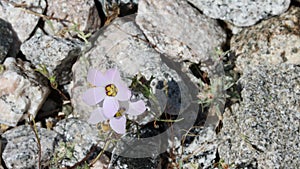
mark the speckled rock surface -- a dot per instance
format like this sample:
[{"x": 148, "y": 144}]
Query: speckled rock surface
[
  {"x": 58, "y": 55},
  {"x": 185, "y": 36},
  {"x": 76, "y": 138},
  {"x": 21, "y": 150},
  {"x": 125, "y": 157},
  {"x": 9, "y": 43},
  {"x": 263, "y": 132},
  {"x": 178, "y": 30},
  {"x": 196, "y": 152},
  {"x": 22, "y": 21},
  {"x": 240, "y": 12},
  {"x": 21, "y": 91},
  {"x": 82, "y": 13},
  {"x": 272, "y": 41},
  {"x": 115, "y": 46}
]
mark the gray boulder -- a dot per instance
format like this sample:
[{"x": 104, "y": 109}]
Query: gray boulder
[
  {"x": 22, "y": 91},
  {"x": 21, "y": 150},
  {"x": 272, "y": 41},
  {"x": 23, "y": 15},
  {"x": 181, "y": 33},
  {"x": 68, "y": 15},
  {"x": 176, "y": 29},
  {"x": 74, "y": 142},
  {"x": 122, "y": 45},
  {"x": 241, "y": 12},
  {"x": 263, "y": 131},
  {"x": 57, "y": 54},
  {"x": 198, "y": 149},
  {"x": 117, "y": 46}
]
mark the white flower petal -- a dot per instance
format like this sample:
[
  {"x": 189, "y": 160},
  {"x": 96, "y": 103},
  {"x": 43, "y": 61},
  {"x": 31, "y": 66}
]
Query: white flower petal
[
  {"x": 96, "y": 78},
  {"x": 97, "y": 116},
  {"x": 93, "y": 95},
  {"x": 123, "y": 92},
  {"x": 110, "y": 107},
  {"x": 118, "y": 124},
  {"x": 136, "y": 108},
  {"x": 112, "y": 75}
]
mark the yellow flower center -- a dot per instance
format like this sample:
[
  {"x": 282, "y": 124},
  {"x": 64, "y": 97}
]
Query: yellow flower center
[
  {"x": 111, "y": 90},
  {"x": 120, "y": 112}
]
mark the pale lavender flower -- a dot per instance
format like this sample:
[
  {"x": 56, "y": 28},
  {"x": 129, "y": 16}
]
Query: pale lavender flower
[
  {"x": 117, "y": 121},
  {"x": 108, "y": 87}
]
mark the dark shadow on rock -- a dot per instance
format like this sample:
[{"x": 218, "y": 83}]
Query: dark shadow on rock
[{"x": 14, "y": 44}]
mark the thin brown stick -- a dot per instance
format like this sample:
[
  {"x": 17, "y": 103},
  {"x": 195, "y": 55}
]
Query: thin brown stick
[
  {"x": 24, "y": 7},
  {"x": 34, "y": 128}
]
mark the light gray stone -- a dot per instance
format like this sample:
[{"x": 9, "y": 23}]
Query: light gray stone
[
  {"x": 23, "y": 15},
  {"x": 241, "y": 12},
  {"x": 263, "y": 131},
  {"x": 21, "y": 150},
  {"x": 272, "y": 41},
  {"x": 178, "y": 30},
  {"x": 67, "y": 14},
  {"x": 122, "y": 45},
  {"x": 9, "y": 43},
  {"x": 57, "y": 54},
  {"x": 117, "y": 46},
  {"x": 76, "y": 139},
  {"x": 22, "y": 91},
  {"x": 201, "y": 151},
  {"x": 181, "y": 33}
]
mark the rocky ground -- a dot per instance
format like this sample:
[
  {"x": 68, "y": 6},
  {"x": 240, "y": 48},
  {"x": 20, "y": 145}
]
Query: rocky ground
[{"x": 224, "y": 81}]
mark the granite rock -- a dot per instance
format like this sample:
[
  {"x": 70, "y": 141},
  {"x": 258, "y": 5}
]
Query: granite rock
[
  {"x": 197, "y": 148},
  {"x": 9, "y": 43},
  {"x": 22, "y": 91},
  {"x": 185, "y": 36},
  {"x": 21, "y": 149},
  {"x": 75, "y": 141},
  {"x": 263, "y": 131},
  {"x": 81, "y": 14},
  {"x": 23, "y": 15},
  {"x": 240, "y": 12},
  {"x": 272, "y": 41},
  {"x": 178, "y": 30},
  {"x": 117, "y": 46},
  {"x": 57, "y": 54},
  {"x": 122, "y": 45}
]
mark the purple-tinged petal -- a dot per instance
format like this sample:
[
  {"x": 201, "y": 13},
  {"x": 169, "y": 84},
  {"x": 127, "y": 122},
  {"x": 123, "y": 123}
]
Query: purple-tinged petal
[
  {"x": 123, "y": 92},
  {"x": 136, "y": 108},
  {"x": 112, "y": 75},
  {"x": 93, "y": 95},
  {"x": 110, "y": 107},
  {"x": 96, "y": 78},
  {"x": 97, "y": 116},
  {"x": 118, "y": 124}
]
